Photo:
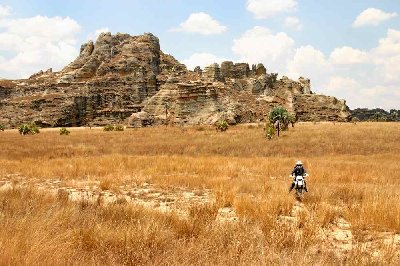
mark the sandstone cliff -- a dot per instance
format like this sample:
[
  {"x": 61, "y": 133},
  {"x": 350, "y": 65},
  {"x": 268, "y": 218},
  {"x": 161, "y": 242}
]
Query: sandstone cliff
[{"x": 128, "y": 79}]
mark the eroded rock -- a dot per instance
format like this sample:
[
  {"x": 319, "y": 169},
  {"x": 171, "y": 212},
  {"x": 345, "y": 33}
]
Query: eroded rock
[{"x": 121, "y": 76}]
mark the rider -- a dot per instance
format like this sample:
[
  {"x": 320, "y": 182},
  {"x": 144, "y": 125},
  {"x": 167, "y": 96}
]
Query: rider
[{"x": 298, "y": 171}]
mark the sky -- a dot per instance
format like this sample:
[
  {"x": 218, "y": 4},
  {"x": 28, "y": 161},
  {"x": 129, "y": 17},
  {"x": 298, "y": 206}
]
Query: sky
[{"x": 349, "y": 49}]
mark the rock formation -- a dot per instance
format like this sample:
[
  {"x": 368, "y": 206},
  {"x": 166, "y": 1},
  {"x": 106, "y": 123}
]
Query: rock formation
[{"x": 128, "y": 79}]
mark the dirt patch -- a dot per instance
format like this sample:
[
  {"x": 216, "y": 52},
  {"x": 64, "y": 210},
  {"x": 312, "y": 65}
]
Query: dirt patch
[{"x": 175, "y": 199}]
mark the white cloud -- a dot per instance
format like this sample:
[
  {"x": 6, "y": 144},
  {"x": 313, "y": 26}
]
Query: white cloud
[
  {"x": 387, "y": 57},
  {"x": 261, "y": 45},
  {"x": 347, "y": 55},
  {"x": 372, "y": 17},
  {"x": 202, "y": 60},
  {"x": 263, "y": 9},
  {"x": 293, "y": 23},
  {"x": 364, "y": 78},
  {"x": 388, "y": 46},
  {"x": 309, "y": 62},
  {"x": 93, "y": 35},
  {"x": 359, "y": 93},
  {"x": 201, "y": 23},
  {"x": 5, "y": 11},
  {"x": 342, "y": 83},
  {"x": 36, "y": 43}
]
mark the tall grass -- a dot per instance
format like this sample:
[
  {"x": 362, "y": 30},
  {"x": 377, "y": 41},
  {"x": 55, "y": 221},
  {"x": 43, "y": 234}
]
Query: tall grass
[{"x": 353, "y": 174}]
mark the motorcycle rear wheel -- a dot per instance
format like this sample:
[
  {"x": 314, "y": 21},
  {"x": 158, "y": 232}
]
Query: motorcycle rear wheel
[{"x": 299, "y": 193}]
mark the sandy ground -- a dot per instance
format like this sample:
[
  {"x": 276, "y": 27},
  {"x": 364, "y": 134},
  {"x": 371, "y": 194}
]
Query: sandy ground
[{"x": 338, "y": 236}]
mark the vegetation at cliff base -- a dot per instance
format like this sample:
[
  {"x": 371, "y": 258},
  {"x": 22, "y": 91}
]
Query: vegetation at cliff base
[
  {"x": 221, "y": 126},
  {"x": 28, "y": 129},
  {"x": 113, "y": 128},
  {"x": 64, "y": 131}
]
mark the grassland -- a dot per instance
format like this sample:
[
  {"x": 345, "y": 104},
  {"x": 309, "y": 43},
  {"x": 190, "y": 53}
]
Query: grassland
[{"x": 354, "y": 175}]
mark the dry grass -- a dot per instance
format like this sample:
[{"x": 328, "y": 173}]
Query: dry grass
[{"x": 353, "y": 174}]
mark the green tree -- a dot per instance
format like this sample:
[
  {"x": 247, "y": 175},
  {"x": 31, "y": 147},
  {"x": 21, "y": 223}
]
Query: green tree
[
  {"x": 394, "y": 116},
  {"x": 378, "y": 117},
  {"x": 279, "y": 118},
  {"x": 280, "y": 114}
]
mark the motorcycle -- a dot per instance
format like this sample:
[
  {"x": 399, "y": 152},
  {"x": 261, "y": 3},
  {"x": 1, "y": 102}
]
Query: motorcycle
[{"x": 299, "y": 185}]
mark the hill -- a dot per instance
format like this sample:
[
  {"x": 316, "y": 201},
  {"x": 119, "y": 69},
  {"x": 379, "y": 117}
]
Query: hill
[{"x": 128, "y": 79}]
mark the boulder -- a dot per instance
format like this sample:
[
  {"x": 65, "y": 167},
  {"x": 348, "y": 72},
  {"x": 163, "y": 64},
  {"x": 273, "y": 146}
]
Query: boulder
[{"x": 140, "y": 119}]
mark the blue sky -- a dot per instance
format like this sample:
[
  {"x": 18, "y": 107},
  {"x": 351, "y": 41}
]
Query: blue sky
[{"x": 347, "y": 48}]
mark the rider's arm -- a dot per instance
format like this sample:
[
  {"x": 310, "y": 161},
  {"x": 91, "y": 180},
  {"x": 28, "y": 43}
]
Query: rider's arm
[{"x": 305, "y": 174}]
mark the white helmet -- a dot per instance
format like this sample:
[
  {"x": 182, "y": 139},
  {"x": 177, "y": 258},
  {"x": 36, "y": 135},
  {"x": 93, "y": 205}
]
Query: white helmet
[{"x": 299, "y": 163}]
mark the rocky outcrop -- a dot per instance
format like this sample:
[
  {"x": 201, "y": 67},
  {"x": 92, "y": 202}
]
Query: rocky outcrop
[
  {"x": 311, "y": 107},
  {"x": 128, "y": 79},
  {"x": 235, "y": 71},
  {"x": 213, "y": 73}
]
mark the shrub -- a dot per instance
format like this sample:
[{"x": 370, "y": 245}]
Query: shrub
[
  {"x": 2, "y": 128},
  {"x": 221, "y": 126},
  {"x": 292, "y": 119},
  {"x": 108, "y": 128},
  {"x": 28, "y": 129},
  {"x": 269, "y": 130},
  {"x": 119, "y": 128},
  {"x": 64, "y": 131},
  {"x": 114, "y": 128}
]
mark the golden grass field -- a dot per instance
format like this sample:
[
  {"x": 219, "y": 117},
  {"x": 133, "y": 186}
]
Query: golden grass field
[{"x": 354, "y": 175}]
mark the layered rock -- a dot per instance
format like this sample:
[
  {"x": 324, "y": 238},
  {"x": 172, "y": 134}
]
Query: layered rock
[
  {"x": 236, "y": 71},
  {"x": 127, "y": 79}
]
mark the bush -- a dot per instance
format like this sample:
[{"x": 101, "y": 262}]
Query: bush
[
  {"x": 292, "y": 119},
  {"x": 119, "y": 128},
  {"x": 2, "y": 128},
  {"x": 28, "y": 129},
  {"x": 64, "y": 131},
  {"x": 269, "y": 130},
  {"x": 108, "y": 128},
  {"x": 114, "y": 128},
  {"x": 221, "y": 126}
]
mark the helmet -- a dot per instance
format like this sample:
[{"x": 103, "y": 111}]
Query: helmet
[{"x": 299, "y": 163}]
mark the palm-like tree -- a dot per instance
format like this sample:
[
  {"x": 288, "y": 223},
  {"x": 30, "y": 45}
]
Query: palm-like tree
[{"x": 281, "y": 115}]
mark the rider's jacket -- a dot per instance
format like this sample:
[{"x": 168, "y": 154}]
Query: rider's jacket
[{"x": 298, "y": 170}]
